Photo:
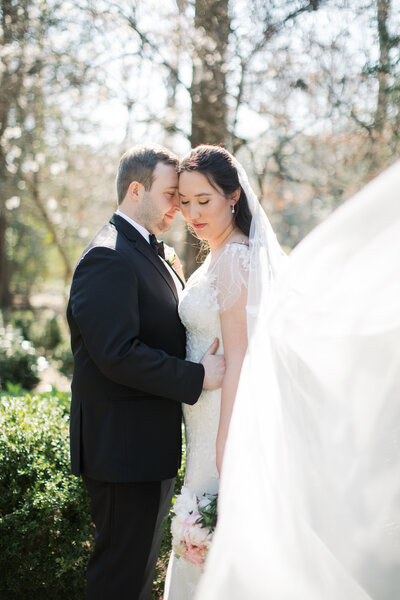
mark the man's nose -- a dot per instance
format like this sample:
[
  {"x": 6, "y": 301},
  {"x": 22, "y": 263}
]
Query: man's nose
[{"x": 176, "y": 204}]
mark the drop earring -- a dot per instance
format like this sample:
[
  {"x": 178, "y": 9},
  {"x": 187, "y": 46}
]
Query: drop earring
[{"x": 233, "y": 209}]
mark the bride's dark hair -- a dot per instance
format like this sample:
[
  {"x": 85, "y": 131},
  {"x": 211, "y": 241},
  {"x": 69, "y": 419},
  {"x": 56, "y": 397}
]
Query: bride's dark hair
[{"x": 215, "y": 163}]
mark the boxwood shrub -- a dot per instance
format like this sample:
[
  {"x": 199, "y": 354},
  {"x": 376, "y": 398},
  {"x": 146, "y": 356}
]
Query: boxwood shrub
[
  {"x": 46, "y": 534},
  {"x": 45, "y": 529}
]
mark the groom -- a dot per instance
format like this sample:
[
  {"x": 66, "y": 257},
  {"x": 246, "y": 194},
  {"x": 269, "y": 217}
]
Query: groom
[{"x": 130, "y": 377}]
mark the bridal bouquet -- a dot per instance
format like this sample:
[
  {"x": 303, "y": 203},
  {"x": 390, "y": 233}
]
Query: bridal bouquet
[{"x": 193, "y": 524}]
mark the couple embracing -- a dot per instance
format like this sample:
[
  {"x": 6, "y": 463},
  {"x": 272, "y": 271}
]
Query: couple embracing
[
  {"x": 308, "y": 357},
  {"x": 145, "y": 350}
]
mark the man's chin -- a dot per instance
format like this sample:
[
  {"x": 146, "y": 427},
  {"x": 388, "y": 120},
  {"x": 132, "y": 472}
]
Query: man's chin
[{"x": 166, "y": 224}]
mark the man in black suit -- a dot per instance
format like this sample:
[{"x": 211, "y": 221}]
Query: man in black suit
[{"x": 130, "y": 377}]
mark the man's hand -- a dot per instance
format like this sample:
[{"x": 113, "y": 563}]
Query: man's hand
[{"x": 214, "y": 367}]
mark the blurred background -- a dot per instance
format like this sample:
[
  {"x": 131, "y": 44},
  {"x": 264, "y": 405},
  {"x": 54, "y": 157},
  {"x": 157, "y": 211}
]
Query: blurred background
[{"x": 306, "y": 94}]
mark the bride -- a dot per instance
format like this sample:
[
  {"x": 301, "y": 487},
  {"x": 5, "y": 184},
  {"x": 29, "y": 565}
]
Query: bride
[
  {"x": 309, "y": 498},
  {"x": 221, "y": 210},
  {"x": 309, "y": 502}
]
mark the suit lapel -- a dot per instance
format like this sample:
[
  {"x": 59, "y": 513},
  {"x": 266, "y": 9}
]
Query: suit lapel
[
  {"x": 145, "y": 249},
  {"x": 177, "y": 276}
]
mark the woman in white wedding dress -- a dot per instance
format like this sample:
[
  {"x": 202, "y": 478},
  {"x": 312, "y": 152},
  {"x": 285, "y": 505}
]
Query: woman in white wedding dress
[
  {"x": 213, "y": 305},
  {"x": 309, "y": 497}
]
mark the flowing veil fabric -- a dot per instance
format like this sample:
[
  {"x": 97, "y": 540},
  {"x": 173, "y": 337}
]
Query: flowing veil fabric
[{"x": 309, "y": 504}]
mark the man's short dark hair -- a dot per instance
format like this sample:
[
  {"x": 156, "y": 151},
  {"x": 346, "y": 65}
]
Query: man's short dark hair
[{"x": 138, "y": 164}]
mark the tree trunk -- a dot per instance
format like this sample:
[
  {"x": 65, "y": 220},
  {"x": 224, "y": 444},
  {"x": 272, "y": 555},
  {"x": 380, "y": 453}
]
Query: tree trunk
[
  {"x": 383, "y": 11},
  {"x": 5, "y": 294},
  {"x": 208, "y": 89},
  {"x": 14, "y": 22}
]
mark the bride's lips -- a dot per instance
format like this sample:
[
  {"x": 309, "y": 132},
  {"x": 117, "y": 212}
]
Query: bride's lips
[{"x": 199, "y": 225}]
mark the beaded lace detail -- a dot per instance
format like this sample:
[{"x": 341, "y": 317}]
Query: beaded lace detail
[{"x": 212, "y": 289}]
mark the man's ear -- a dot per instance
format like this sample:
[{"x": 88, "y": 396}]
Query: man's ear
[{"x": 134, "y": 191}]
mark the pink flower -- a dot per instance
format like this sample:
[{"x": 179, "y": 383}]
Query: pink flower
[
  {"x": 190, "y": 521},
  {"x": 195, "y": 555},
  {"x": 189, "y": 538}
]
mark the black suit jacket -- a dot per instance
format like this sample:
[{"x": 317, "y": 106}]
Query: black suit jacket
[{"x": 130, "y": 375}]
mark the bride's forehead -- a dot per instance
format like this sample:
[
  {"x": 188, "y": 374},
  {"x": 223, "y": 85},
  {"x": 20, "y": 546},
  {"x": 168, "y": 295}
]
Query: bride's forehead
[{"x": 192, "y": 180}]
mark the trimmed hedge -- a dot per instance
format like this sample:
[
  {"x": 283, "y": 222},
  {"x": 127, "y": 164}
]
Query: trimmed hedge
[
  {"x": 45, "y": 529},
  {"x": 46, "y": 534}
]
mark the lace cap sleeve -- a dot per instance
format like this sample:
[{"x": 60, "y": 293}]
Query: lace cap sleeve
[{"x": 230, "y": 274}]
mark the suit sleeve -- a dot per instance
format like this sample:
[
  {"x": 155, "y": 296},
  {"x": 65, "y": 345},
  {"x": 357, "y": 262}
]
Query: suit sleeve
[{"x": 104, "y": 303}]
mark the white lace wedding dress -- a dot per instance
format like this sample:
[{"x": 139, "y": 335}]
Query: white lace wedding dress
[{"x": 213, "y": 288}]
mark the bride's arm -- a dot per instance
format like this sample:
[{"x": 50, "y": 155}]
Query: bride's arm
[{"x": 234, "y": 338}]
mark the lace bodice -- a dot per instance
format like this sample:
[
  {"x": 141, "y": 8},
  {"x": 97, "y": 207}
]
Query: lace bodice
[{"x": 212, "y": 289}]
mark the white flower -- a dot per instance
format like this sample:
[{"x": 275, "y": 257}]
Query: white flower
[
  {"x": 177, "y": 531},
  {"x": 197, "y": 535},
  {"x": 12, "y": 133},
  {"x": 177, "y": 527},
  {"x": 42, "y": 363},
  {"x": 52, "y": 204},
  {"x": 170, "y": 255},
  {"x": 59, "y": 167},
  {"x": 13, "y": 202},
  {"x": 30, "y": 166},
  {"x": 185, "y": 503}
]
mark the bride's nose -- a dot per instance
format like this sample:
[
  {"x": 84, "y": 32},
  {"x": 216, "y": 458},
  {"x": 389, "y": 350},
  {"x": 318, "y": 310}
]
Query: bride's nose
[{"x": 194, "y": 210}]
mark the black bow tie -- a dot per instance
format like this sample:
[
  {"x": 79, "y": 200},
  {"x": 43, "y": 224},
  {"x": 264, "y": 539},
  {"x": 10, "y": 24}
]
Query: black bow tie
[{"x": 156, "y": 245}]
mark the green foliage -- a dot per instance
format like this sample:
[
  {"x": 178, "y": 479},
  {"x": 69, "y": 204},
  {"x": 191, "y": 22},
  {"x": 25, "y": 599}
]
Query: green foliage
[
  {"x": 23, "y": 320},
  {"x": 43, "y": 331},
  {"x": 45, "y": 529},
  {"x": 49, "y": 334},
  {"x": 26, "y": 251},
  {"x": 209, "y": 513},
  {"x": 49, "y": 337},
  {"x": 18, "y": 360},
  {"x": 64, "y": 358}
]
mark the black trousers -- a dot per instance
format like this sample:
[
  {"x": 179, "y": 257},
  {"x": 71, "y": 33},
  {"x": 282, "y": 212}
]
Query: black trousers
[{"x": 128, "y": 519}]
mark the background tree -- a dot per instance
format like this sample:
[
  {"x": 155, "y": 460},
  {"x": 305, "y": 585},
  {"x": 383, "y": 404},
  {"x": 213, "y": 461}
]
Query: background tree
[{"x": 41, "y": 74}]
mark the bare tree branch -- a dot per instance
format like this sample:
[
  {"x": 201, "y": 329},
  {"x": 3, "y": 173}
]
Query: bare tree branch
[
  {"x": 34, "y": 187},
  {"x": 145, "y": 41}
]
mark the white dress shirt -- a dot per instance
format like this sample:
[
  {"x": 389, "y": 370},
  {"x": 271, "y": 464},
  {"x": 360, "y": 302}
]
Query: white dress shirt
[{"x": 142, "y": 230}]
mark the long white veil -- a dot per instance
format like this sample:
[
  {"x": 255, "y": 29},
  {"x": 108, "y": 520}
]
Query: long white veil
[{"x": 309, "y": 504}]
